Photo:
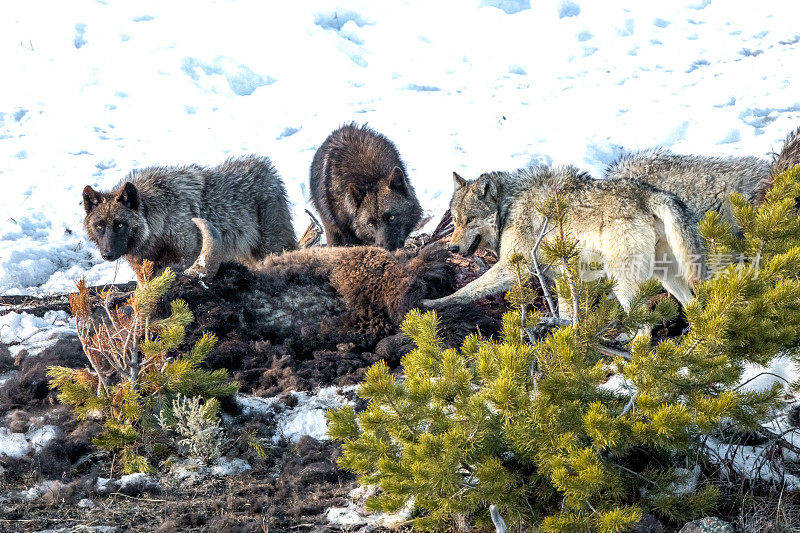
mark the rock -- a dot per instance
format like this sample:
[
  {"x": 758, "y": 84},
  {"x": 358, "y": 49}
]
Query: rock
[
  {"x": 230, "y": 467},
  {"x": 132, "y": 485},
  {"x": 86, "y": 503},
  {"x": 650, "y": 524},
  {"x": 710, "y": 524}
]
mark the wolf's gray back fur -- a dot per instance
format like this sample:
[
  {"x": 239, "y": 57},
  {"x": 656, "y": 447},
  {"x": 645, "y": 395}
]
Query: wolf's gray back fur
[
  {"x": 243, "y": 198},
  {"x": 703, "y": 183}
]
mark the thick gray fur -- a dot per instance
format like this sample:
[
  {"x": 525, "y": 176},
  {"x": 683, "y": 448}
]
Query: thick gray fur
[
  {"x": 149, "y": 214},
  {"x": 704, "y": 183}
]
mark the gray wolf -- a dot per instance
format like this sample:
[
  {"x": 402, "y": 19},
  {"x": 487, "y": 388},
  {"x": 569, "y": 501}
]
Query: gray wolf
[
  {"x": 703, "y": 183},
  {"x": 361, "y": 190},
  {"x": 149, "y": 215},
  {"x": 624, "y": 224}
]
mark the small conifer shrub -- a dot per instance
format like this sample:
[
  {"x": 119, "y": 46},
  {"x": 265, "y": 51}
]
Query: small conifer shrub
[
  {"x": 136, "y": 369},
  {"x": 528, "y": 423}
]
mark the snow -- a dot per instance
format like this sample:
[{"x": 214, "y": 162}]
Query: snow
[
  {"x": 230, "y": 467},
  {"x": 307, "y": 418},
  {"x": 98, "y": 88},
  {"x": 23, "y": 331},
  {"x": 128, "y": 484},
  {"x": 761, "y": 463},
  {"x": 21, "y": 444},
  {"x": 35, "y": 491},
  {"x": 781, "y": 370},
  {"x": 354, "y": 514}
]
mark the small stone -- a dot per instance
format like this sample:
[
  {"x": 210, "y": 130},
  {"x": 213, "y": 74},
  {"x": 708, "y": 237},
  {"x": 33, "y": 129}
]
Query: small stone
[
  {"x": 650, "y": 524},
  {"x": 86, "y": 503},
  {"x": 710, "y": 524}
]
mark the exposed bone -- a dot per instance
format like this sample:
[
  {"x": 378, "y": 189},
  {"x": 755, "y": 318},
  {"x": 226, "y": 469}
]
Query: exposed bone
[
  {"x": 209, "y": 260},
  {"x": 312, "y": 234}
]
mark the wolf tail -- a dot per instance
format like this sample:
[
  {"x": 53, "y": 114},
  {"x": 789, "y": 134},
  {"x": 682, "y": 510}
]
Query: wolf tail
[{"x": 682, "y": 235}]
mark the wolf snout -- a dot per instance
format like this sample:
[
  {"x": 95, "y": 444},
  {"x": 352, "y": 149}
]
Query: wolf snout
[
  {"x": 107, "y": 256},
  {"x": 453, "y": 248}
]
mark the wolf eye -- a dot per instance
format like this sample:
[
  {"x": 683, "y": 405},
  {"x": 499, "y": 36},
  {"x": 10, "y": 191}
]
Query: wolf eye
[
  {"x": 388, "y": 217},
  {"x": 119, "y": 225},
  {"x": 100, "y": 227},
  {"x": 470, "y": 220}
]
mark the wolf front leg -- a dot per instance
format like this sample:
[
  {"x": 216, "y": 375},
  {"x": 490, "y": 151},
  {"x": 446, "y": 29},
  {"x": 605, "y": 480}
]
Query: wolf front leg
[{"x": 499, "y": 278}]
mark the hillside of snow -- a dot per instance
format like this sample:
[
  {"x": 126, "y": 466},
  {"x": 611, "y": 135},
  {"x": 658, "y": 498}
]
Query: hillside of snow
[{"x": 92, "y": 89}]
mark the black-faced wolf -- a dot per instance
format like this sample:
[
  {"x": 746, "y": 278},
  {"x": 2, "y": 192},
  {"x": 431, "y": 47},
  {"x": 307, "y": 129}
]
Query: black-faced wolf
[
  {"x": 361, "y": 190},
  {"x": 149, "y": 215}
]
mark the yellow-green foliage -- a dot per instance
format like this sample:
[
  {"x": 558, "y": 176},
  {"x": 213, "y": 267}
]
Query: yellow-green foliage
[
  {"x": 532, "y": 429},
  {"x": 128, "y": 400}
]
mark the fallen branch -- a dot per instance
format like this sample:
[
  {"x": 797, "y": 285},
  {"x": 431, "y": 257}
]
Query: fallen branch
[
  {"x": 39, "y": 305},
  {"x": 778, "y": 439},
  {"x": 497, "y": 520}
]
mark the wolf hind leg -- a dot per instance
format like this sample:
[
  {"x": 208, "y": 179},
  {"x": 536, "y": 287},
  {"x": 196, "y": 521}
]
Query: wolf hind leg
[
  {"x": 669, "y": 274},
  {"x": 275, "y": 234}
]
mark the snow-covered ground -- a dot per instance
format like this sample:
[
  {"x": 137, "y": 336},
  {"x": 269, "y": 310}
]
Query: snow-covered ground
[{"x": 92, "y": 89}]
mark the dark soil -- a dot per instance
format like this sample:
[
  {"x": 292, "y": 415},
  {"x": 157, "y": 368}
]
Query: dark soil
[{"x": 288, "y": 490}]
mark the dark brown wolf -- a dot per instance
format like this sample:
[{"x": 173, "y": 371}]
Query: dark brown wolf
[
  {"x": 149, "y": 215},
  {"x": 361, "y": 190}
]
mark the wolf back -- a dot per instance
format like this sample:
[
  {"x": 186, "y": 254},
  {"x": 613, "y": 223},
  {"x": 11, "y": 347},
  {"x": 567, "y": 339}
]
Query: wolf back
[
  {"x": 703, "y": 183},
  {"x": 149, "y": 215},
  {"x": 361, "y": 190}
]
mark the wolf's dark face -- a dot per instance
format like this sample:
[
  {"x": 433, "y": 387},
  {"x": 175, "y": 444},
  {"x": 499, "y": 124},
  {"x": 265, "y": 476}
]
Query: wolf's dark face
[
  {"x": 386, "y": 216},
  {"x": 474, "y": 211},
  {"x": 114, "y": 221}
]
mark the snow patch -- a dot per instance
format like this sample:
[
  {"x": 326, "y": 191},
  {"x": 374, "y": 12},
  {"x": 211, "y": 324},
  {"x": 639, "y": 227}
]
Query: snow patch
[
  {"x": 23, "y": 331},
  {"x": 354, "y": 513},
  {"x": 20, "y": 444},
  {"x": 307, "y": 418}
]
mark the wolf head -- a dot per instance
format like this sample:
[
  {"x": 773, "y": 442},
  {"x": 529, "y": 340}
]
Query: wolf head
[
  {"x": 474, "y": 211},
  {"x": 384, "y": 217},
  {"x": 114, "y": 221}
]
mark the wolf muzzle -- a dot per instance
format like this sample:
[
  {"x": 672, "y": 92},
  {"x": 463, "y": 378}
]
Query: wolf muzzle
[{"x": 472, "y": 247}]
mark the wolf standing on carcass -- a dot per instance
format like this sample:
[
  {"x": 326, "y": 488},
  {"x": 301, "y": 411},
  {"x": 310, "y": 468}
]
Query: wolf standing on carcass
[
  {"x": 624, "y": 224},
  {"x": 361, "y": 190},
  {"x": 149, "y": 216}
]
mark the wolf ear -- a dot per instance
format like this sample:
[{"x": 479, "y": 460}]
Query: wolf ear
[
  {"x": 355, "y": 194},
  {"x": 488, "y": 189},
  {"x": 458, "y": 181},
  {"x": 129, "y": 197},
  {"x": 397, "y": 180},
  {"x": 91, "y": 199}
]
